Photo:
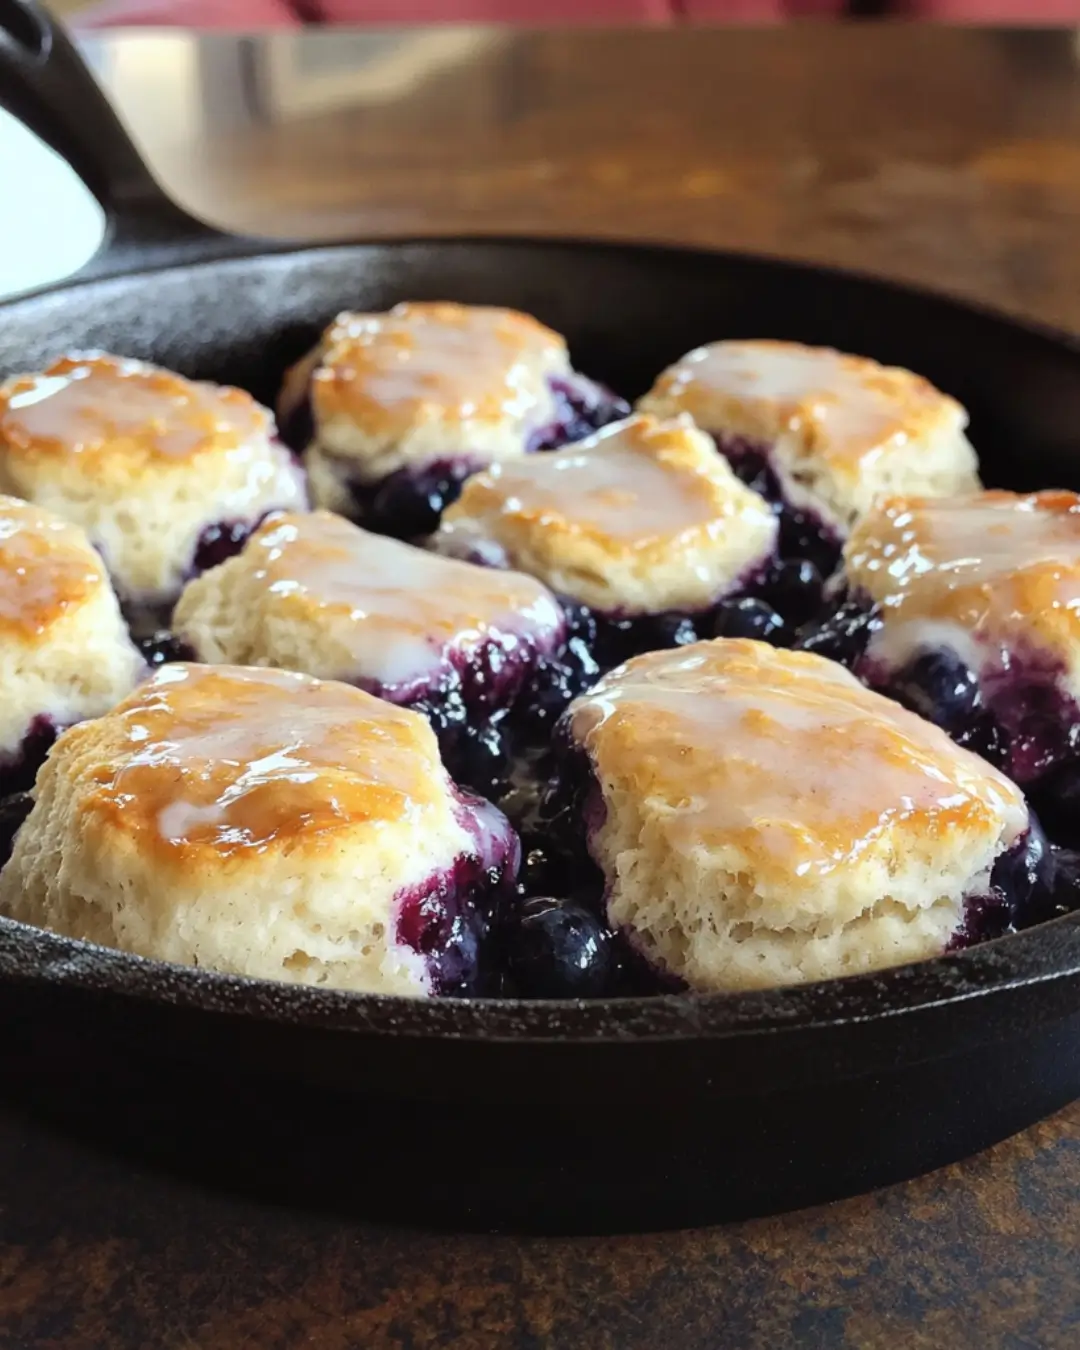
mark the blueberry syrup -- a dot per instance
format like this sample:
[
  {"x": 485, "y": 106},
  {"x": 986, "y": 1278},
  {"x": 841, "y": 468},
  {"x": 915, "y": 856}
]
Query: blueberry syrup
[{"x": 803, "y": 533}]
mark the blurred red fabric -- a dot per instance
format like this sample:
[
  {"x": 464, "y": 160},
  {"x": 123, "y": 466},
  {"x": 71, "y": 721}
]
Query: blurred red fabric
[
  {"x": 538, "y": 12},
  {"x": 257, "y": 14},
  {"x": 1017, "y": 12}
]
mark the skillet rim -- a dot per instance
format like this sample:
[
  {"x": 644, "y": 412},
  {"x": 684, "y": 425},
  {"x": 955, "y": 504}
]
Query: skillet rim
[{"x": 1045, "y": 955}]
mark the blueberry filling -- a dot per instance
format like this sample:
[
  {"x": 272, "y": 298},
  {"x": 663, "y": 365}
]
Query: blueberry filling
[
  {"x": 751, "y": 618},
  {"x": 221, "y": 541},
  {"x": 453, "y": 920},
  {"x": 582, "y": 407},
  {"x": 19, "y": 768},
  {"x": 1033, "y": 882},
  {"x": 844, "y": 634},
  {"x": 940, "y": 687},
  {"x": 163, "y": 646},
  {"x": 611, "y": 639},
  {"x": 557, "y": 942},
  {"x": 1015, "y": 716},
  {"x": 408, "y": 503},
  {"x": 803, "y": 534}
]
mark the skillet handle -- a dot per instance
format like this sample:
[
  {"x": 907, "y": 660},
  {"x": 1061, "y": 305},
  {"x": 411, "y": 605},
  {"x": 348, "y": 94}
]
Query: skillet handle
[{"x": 47, "y": 85}]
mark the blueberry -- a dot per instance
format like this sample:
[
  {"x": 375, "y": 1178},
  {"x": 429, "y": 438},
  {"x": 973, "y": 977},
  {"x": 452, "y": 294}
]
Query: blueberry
[
  {"x": 220, "y": 542},
  {"x": 983, "y": 736},
  {"x": 940, "y": 687},
  {"x": 793, "y": 587},
  {"x": 550, "y": 688},
  {"x": 1066, "y": 892},
  {"x": 1056, "y": 797},
  {"x": 541, "y": 870},
  {"x": 580, "y": 665},
  {"x": 671, "y": 630},
  {"x": 580, "y": 620},
  {"x": 844, "y": 636},
  {"x": 584, "y": 407},
  {"x": 1025, "y": 876},
  {"x": 750, "y": 618},
  {"x": 410, "y": 501},
  {"x": 163, "y": 646},
  {"x": 13, "y": 811},
  {"x": 558, "y": 949},
  {"x": 478, "y": 757},
  {"x": 753, "y": 469},
  {"x": 803, "y": 536},
  {"x": 297, "y": 427}
]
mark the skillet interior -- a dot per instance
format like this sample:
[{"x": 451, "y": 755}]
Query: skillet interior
[{"x": 999, "y": 1022}]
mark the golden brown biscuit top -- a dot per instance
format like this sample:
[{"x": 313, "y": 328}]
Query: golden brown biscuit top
[
  {"x": 440, "y": 362},
  {"x": 98, "y": 406},
  {"x": 842, "y": 409},
  {"x": 47, "y": 567},
  {"x": 633, "y": 485},
  {"x": 397, "y": 606},
  {"x": 993, "y": 563},
  {"x": 230, "y": 760},
  {"x": 782, "y": 756}
]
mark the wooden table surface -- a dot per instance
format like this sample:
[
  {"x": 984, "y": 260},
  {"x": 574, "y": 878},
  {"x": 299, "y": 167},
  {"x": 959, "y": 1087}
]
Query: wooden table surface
[{"x": 949, "y": 158}]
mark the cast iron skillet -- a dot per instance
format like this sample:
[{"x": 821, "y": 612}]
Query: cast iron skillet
[{"x": 613, "y": 1114}]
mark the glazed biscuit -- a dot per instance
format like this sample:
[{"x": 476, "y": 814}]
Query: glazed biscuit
[
  {"x": 145, "y": 461},
  {"x": 640, "y": 518},
  {"x": 265, "y": 824},
  {"x": 319, "y": 594},
  {"x": 762, "y": 819},
  {"x": 65, "y": 653},
  {"x": 833, "y": 431}
]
